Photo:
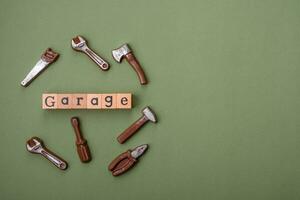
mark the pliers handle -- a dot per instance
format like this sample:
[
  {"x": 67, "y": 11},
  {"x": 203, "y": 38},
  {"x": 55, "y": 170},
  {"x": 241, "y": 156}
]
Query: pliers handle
[{"x": 122, "y": 163}]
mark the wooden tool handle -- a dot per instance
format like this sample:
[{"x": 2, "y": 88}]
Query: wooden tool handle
[
  {"x": 49, "y": 55},
  {"x": 124, "y": 166},
  {"x": 118, "y": 159},
  {"x": 132, "y": 129},
  {"x": 75, "y": 124},
  {"x": 82, "y": 146},
  {"x": 137, "y": 67}
]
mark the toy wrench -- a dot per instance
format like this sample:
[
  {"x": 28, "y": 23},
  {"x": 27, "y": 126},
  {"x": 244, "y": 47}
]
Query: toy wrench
[
  {"x": 48, "y": 57},
  {"x": 36, "y": 145},
  {"x": 126, "y": 160},
  {"x": 78, "y": 43}
]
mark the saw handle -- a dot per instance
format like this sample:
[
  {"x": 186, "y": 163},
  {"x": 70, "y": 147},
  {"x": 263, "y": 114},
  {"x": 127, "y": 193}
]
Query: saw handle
[
  {"x": 81, "y": 143},
  {"x": 130, "y": 131},
  {"x": 137, "y": 68}
]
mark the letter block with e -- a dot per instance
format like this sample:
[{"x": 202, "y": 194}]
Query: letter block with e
[{"x": 124, "y": 100}]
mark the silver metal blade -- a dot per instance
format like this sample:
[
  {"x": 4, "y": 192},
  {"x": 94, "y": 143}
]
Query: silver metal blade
[{"x": 39, "y": 66}]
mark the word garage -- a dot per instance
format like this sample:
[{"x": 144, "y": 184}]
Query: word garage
[{"x": 87, "y": 101}]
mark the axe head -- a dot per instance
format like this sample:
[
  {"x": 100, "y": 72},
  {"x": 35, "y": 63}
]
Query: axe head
[
  {"x": 149, "y": 114},
  {"x": 120, "y": 52}
]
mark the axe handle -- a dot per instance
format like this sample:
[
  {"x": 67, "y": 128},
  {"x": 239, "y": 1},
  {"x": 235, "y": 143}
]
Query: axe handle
[
  {"x": 130, "y": 131},
  {"x": 137, "y": 67}
]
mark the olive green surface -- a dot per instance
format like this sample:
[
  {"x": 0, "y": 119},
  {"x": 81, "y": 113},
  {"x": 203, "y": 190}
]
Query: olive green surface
[{"x": 223, "y": 80}]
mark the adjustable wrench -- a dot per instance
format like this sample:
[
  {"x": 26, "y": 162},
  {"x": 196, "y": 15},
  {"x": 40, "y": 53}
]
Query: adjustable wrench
[
  {"x": 35, "y": 145},
  {"x": 80, "y": 44}
]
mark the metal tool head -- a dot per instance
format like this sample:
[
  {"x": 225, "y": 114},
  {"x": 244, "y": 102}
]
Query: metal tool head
[
  {"x": 149, "y": 114},
  {"x": 139, "y": 150},
  {"x": 120, "y": 52},
  {"x": 78, "y": 42},
  {"x": 34, "y": 145}
]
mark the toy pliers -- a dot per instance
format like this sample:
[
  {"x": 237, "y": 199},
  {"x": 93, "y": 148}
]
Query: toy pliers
[{"x": 126, "y": 160}]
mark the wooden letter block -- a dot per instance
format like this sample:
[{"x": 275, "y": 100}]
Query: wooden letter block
[
  {"x": 64, "y": 101},
  {"x": 49, "y": 101},
  {"x": 109, "y": 101},
  {"x": 87, "y": 101},
  {"x": 124, "y": 101},
  {"x": 79, "y": 101},
  {"x": 93, "y": 101}
]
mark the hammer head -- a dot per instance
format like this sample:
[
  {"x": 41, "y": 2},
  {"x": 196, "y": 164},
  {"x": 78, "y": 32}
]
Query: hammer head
[
  {"x": 120, "y": 52},
  {"x": 147, "y": 112}
]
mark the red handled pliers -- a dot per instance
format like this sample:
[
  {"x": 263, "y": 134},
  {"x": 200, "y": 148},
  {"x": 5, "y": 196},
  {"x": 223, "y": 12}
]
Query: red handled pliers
[{"x": 126, "y": 160}]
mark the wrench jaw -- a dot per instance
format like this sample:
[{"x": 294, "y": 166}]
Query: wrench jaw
[
  {"x": 34, "y": 145},
  {"x": 79, "y": 44}
]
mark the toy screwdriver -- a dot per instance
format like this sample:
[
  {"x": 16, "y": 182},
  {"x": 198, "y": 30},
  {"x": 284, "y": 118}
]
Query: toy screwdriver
[{"x": 126, "y": 160}]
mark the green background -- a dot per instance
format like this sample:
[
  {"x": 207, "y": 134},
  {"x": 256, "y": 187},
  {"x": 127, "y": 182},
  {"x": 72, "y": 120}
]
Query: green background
[{"x": 223, "y": 80}]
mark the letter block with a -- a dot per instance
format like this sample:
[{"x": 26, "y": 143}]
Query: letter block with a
[
  {"x": 64, "y": 101},
  {"x": 93, "y": 101}
]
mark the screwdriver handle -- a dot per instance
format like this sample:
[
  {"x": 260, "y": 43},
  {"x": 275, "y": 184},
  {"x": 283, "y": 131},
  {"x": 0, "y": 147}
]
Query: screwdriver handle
[
  {"x": 75, "y": 124},
  {"x": 81, "y": 143}
]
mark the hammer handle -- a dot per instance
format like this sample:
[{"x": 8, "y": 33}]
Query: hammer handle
[
  {"x": 137, "y": 67},
  {"x": 82, "y": 146},
  {"x": 132, "y": 130}
]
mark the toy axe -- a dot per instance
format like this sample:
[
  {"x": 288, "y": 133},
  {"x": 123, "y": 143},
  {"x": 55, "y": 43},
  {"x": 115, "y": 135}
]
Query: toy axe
[{"x": 125, "y": 51}]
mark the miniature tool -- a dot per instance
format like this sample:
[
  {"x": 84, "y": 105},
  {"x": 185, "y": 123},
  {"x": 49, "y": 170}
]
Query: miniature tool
[
  {"x": 148, "y": 115},
  {"x": 48, "y": 57},
  {"x": 126, "y": 160},
  {"x": 80, "y": 44},
  {"x": 125, "y": 51},
  {"x": 81, "y": 143},
  {"x": 36, "y": 145}
]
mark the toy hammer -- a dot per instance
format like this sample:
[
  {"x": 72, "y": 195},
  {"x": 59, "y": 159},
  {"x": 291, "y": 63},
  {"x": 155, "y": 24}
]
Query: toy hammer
[
  {"x": 148, "y": 115},
  {"x": 125, "y": 51}
]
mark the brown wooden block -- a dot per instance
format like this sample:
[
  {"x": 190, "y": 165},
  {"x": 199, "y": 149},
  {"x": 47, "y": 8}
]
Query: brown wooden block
[
  {"x": 64, "y": 101},
  {"x": 93, "y": 101},
  {"x": 49, "y": 101},
  {"x": 79, "y": 101},
  {"x": 109, "y": 101},
  {"x": 124, "y": 100}
]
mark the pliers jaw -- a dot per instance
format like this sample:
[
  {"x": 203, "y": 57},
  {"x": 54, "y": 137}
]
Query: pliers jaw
[{"x": 138, "y": 151}]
